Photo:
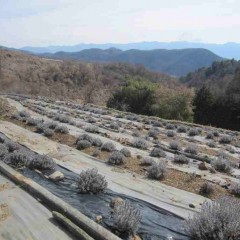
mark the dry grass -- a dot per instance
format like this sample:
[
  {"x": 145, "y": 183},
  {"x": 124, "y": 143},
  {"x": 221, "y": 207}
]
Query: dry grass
[
  {"x": 4, "y": 212},
  {"x": 4, "y": 186},
  {"x": 5, "y": 109},
  {"x": 66, "y": 139}
]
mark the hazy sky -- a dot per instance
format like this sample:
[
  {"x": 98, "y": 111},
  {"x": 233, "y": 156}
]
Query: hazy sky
[{"x": 69, "y": 22}]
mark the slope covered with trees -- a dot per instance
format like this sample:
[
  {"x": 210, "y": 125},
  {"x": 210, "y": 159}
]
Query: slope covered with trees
[
  {"x": 140, "y": 96},
  {"x": 94, "y": 83},
  {"x": 216, "y": 77},
  {"x": 174, "y": 62},
  {"x": 121, "y": 85},
  {"x": 221, "y": 110}
]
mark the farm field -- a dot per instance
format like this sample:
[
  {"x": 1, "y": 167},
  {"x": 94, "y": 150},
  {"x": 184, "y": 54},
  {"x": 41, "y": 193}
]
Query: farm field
[{"x": 166, "y": 168}]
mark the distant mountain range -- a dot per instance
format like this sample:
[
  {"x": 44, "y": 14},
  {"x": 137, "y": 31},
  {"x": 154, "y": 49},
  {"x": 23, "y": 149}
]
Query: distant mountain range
[
  {"x": 227, "y": 50},
  {"x": 173, "y": 62}
]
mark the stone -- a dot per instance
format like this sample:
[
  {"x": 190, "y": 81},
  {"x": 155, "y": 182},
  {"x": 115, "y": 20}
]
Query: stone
[
  {"x": 212, "y": 170},
  {"x": 116, "y": 202},
  {"x": 224, "y": 185},
  {"x": 202, "y": 166},
  {"x": 56, "y": 176},
  {"x": 191, "y": 205},
  {"x": 99, "y": 218},
  {"x": 135, "y": 237}
]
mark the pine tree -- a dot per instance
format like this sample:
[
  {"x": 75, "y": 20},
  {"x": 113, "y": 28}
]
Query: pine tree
[{"x": 203, "y": 106}]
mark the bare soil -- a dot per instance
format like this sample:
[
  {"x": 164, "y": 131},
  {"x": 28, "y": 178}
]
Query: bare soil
[
  {"x": 5, "y": 186},
  {"x": 174, "y": 178},
  {"x": 4, "y": 212}
]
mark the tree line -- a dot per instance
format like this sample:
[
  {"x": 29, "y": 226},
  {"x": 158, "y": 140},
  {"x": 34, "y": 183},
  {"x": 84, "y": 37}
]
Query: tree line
[
  {"x": 219, "y": 110},
  {"x": 203, "y": 106}
]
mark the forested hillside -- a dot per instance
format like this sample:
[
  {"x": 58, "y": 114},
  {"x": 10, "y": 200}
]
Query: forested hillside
[
  {"x": 129, "y": 87},
  {"x": 96, "y": 83},
  {"x": 216, "y": 77},
  {"x": 26, "y": 74},
  {"x": 173, "y": 62},
  {"x": 217, "y": 102}
]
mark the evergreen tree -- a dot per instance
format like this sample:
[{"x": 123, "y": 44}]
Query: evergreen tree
[
  {"x": 135, "y": 96},
  {"x": 203, "y": 106}
]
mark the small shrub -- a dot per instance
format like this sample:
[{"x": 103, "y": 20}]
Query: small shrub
[
  {"x": 52, "y": 125},
  {"x": 182, "y": 129},
  {"x": 62, "y": 118},
  {"x": 210, "y": 135},
  {"x": 136, "y": 133},
  {"x": 130, "y": 117},
  {"x": 146, "y": 138},
  {"x": 85, "y": 137},
  {"x": 140, "y": 143},
  {"x": 215, "y": 133},
  {"x": 218, "y": 220},
  {"x": 3, "y": 150},
  {"x": 193, "y": 132},
  {"x": 48, "y": 132},
  {"x": 212, "y": 144},
  {"x": 2, "y": 140},
  {"x": 206, "y": 189},
  {"x": 32, "y": 122},
  {"x": 181, "y": 159},
  {"x": 235, "y": 189},
  {"x": 97, "y": 142},
  {"x": 147, "y": 121},
  {"x": 170, "y": 126},
  {"x": 116, "y": 158},
  {"x": 42, "y": 162},
  {"x": 83, "y": 144},
  {"x": 16, "y": 159},
  {"x": 41, "y": 127},
  {"x": 225, "y": 139},
  {"x": 15, "y": 116},
  {"x": 222, "y": 164},
  {"x": 157, "y": 171},
  {"x": 108, "y": 147},
  {"x": 231, "y": 149},
  {"x": 12, "y": 146},
  {"x": 24, "y": 114},
  {"x": 125, "y": 152},
  {"x": 72, "y": 122},
  {"x": 175, "y": 145},
  {"x": 90, "y": 181},
  {"x": 192, "y": 149},
  {"x": 157, "y": 124},
  {"x": 147, "y": 161},
  {"x": 199, "y": 130},
  {"x": 126, "y": 218},
  {"x": 157, "y": 152},
  {"x": 153, "y": 132},
  {"x": 61, "y": 129},
  {"x": 91, "y": 128},
  {"x": 96, "y": 153},
  {"x": 91, "y": 120},
  {"x": 170, "y": 133},
  {"x": 114, "y": 125}
]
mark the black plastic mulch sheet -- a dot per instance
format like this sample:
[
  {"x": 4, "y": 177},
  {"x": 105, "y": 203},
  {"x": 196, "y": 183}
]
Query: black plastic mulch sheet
[{"x": 156, "y": 223}]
